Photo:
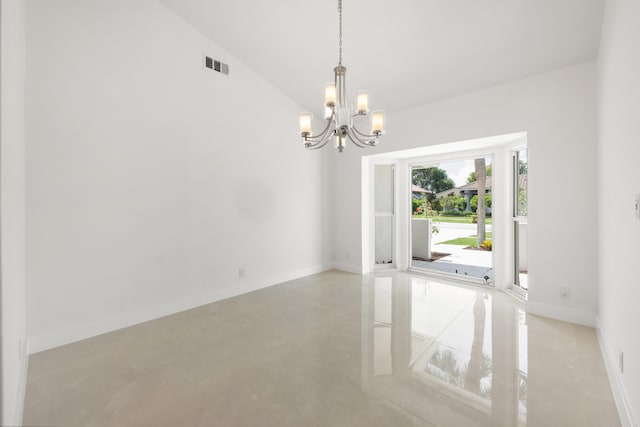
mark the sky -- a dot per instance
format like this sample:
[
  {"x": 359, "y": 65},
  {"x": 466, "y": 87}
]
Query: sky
[{"x": 459, "y": 170}]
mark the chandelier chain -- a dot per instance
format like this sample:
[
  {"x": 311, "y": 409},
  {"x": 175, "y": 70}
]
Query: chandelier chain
[{"x": 340, "y": 37}]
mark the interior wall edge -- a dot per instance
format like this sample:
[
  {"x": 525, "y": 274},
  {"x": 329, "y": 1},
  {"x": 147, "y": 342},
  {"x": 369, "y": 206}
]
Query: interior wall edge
[
  {"x": 627, "y": 418},
  {"x": 566, "y": 314},
  {"x": 68, "y": 335},
  {"x": 349, "y": 268},
  {"x": 22, "y": 386}
]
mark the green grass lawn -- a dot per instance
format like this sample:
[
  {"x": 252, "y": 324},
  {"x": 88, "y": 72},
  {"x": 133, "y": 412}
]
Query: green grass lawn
[
  {"x": 453, "y": 219},
  {"x": 465, "y": 241}
]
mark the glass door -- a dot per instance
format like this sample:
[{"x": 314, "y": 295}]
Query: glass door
[
  {"x": 451, "y": 219},
  {"x": 384, "y": 215},
  {"x": 520, "y": 210}
]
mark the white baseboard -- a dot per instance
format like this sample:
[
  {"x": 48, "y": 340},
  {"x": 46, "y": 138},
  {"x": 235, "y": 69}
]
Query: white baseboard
[
  {"x": 558, "y": 312},
  {"x": 627, "y": 418},
  {"x": 349, "y": 268},
  {"x": 72, "y": 334}
]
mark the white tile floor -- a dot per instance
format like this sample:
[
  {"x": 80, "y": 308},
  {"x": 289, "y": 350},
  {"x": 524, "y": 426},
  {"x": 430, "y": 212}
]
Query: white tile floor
[{"x": 334, "y": 349}]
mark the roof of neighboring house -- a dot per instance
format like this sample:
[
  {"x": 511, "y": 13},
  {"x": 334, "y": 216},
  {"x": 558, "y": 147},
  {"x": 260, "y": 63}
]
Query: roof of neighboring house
[
  {"x": 416, "y": 189},
  {"x": 473, "y": 186},
  {"x": 445, "y": 193}
]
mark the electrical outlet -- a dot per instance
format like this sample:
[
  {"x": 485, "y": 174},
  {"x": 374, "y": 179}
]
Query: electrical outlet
[
  {"x": 241, "y": 272},
  {"x": 621, "y": 362}
]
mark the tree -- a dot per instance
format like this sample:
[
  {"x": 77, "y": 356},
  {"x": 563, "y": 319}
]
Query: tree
[
  {"x": 481, "y": 174},
  {"x": 453, "y": 203},
  {"x": 433, "y": 179},
  {"x": 435, "y": 204},
  {"x": 522, "y": 188},
  {"x": 522, "y": 167},
  {"x": 472, "y": 175}
]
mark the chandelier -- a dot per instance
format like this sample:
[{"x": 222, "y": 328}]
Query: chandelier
[{"x": 340, "y": 116}]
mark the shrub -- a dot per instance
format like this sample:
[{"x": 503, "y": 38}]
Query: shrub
[
  {"x": 474, "y": 202},
  {"x": 453, "y": 203},
  {"x": 474, "y": 219},
  {"x": 453, "y": 213},
  {"x": 487, "y": 245},
  {"x": 417, "y": 205}
]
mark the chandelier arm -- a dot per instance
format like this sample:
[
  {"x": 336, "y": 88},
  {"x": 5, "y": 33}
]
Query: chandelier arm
[
  {"x": 365, "y": 135},
  {"x": 324, "y": 132},
  {"x": 319, "y": 137},
  {"x": 318, "y": 144},
  {"x": 317, "y": 147},
  {"x": 366, "y": 141},
  {"x": 369, "y": 142},
  {"x": 311, "y": 145},
  {"x": 357, "y": 142}
]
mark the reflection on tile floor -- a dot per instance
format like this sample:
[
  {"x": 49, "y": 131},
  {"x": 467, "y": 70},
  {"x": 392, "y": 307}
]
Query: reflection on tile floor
[{"x": 333, "y": 349}]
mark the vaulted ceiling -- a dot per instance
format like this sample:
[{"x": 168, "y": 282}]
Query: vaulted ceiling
[{"x": 404, "y": 52}]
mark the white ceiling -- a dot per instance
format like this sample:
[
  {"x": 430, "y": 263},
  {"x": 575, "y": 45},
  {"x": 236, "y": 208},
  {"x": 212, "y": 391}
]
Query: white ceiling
[{"x": 404, "y": 52}]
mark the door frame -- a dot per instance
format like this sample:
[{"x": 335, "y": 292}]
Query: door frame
[
  {"x": 435, "y": 161},
  {"x": 517, "y": 219},
  {"x": 498, "y": 146}
]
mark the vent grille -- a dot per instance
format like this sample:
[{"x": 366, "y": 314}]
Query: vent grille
[{"x": 216, "y": 65}]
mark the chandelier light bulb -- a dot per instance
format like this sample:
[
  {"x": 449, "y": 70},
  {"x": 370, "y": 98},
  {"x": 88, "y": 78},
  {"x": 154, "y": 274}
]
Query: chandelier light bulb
[
  {"x": 377, "y": 122},
  {"x": 362, "y": 101},
  {"x": 330, "y": 95},
  {"x": 305, "y": 123}
]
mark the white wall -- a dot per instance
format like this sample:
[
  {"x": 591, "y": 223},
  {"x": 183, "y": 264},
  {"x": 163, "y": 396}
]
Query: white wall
[
  {"x": 558, "y": 112},
  {"x": 618, "y": 184},
  {"x": 12, "y": 208},
  {"x": 151, "y": 181}
]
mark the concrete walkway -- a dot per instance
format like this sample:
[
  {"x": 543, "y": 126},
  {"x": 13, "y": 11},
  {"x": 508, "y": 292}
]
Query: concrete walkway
[{"x": 474, "y": 263}]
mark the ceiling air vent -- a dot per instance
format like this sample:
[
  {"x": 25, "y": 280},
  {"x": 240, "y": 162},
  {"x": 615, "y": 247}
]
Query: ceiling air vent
[{"x": 216, "y": 65}]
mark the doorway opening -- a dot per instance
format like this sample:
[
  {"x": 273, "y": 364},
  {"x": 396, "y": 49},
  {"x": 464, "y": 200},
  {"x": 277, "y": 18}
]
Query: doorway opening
[
  {"x": 451, "y": 218},
  {"x": 406, "y": 226}
]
